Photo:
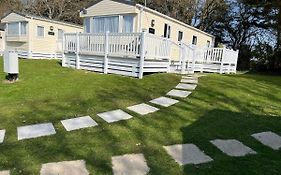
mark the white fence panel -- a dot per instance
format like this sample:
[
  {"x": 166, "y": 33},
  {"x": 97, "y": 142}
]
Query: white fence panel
[{"x": 157, "y": 47}]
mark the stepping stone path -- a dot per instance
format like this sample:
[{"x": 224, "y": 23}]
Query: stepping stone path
[
  {"x": 4, "y": 172},
  {"x": 77, "y": 167},
  {"x": 190, "y": 81},
  {"x": 187, "y": 154},
  {"x": 114, "y": 116},
  {"x": 269, "y": 139},
  {"x": 143, "y": 109},
  {"x": 164, "y": 101},
  {"x": 186, "y": 86},
  {"x": 129, "y": 164},
  {"x": 2, "y": 136},
  {"x": 34, "y": 131},
  {"x": 179, "y": 93},
  {"x": 233, "y": 148},
  {"x": 78, "y": 123}
]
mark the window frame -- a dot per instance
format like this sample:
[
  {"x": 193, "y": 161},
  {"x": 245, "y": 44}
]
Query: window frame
[
  {"x": 194, "y": 40},
  {"x": 37, "y": 27},
  {"x": 167, "y": 31},
  {"x": 60, "y": 39},
  {"x": 180, "y": 39}
]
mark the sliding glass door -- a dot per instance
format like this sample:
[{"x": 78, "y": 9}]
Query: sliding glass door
[{"x": 103, "y": 24}]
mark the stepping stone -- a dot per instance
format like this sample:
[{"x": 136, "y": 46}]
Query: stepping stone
[
  {"x": 187, "y": 154},
  {"x": 77, "y": 167},
  {"x": 189, "y": 81},
  {"x": 34, "y": 131},
  {"x": 186, "y": 86},
  {"x": 189, "y": 78},
  {"x": 4, "y": 172},
  {"x": 129, "y": 164},
  {"x": 114, "y": 116},
  {"x": 232, "y": 148},
  {"x": 179, "y": 93},
  {"x": 78, "y": 123},
  {"x": 269, "y": 139},
  {"x": 2, "y": 136},
  {"x": 164, "y": 101},
  {"x": 143, "y": 109}
]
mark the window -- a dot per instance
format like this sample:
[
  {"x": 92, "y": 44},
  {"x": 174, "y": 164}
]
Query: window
[
  {"x": 17, "y": 28},
  {"x": 208, "y": 43},
  {"x": 167, "y": 31},
  {"x": 180, "y": 36},
  {"x": 194, "y": 40},
  {"x": 23, "y": 28},
  {"x": 104, "y": 24},
  {"x": 60, "y": 34},
  {"x": 87, "y": 24},
  {"x": 128, "y": 23},
  {"x": 40, "y": 31},
  {"x": 13, "y": 28}
]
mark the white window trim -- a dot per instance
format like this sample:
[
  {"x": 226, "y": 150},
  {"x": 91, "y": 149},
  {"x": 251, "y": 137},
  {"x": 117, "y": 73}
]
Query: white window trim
[
  {"x": 37, "y": 32},
  {"x": 62, "y": 34}
]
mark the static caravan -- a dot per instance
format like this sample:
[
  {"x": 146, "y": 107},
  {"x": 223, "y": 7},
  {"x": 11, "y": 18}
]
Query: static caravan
[
  {"x": 122, "y": 37},
  {"x": 127, "y": 17},
  {"x": 35, "y": 37}
]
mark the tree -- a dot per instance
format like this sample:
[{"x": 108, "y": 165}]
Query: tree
[
  {"x": 65, "y": 10},
  {"x": 9, "y": 5}
]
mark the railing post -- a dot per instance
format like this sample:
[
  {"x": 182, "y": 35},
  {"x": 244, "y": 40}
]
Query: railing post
[
  {"x": 193, "y": 60},
  {"x": 222, "y": 59},
  {"x": 168, "y": 45},
  {"x": 183, "y": 56},
  {"x": 106, "y": 51},
  {"x": 77, "y": 51},
  {"x": 142, "y": 54},
  {"x": 63, "y": 61}
]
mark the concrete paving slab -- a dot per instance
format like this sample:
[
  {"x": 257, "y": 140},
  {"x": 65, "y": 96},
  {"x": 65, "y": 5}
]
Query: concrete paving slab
[
  {"x": 269, "y": 139},
  {"x": 189, "y": 81},
  {"x": 233, "y": 147},
  {"x": 115, "y": 116},
  {"x": 143, "y": 109},
  {"x": 34, "y": 131},
  {"x": 4, "y": 172},
  {"x": 78, "y": 123},
  {"x": 186, "y": 86},
  {"x": 129, "y": 164},
  {"x": 164, "y": 101},
  {"x": 77, "y": 167},
  {"x": 179, "y": 93},
  {"x": 2, "y": 136},
  {"x": 190, "y": 77},
  {"x": 187, "y": 154}
]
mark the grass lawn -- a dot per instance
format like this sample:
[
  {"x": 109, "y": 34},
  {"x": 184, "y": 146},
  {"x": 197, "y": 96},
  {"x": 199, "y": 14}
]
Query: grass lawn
[{"x": 223, "y": 106}]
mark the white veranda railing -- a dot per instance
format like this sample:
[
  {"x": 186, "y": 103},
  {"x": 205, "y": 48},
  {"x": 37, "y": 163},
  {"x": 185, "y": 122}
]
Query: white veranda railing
[{"x": 144, "y": 46}]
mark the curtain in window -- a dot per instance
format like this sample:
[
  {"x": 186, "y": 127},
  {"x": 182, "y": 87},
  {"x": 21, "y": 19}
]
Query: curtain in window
[
  {"x": 40, "y": 31},
  {"x": 87, "y": 24},
  {"x": 23, "y": 28},
  {"x": 13, "y": 28},
  {"x": 128, "y": 23},
  {"x": 60, "y": 34},
  {"x": 103, "y": 24}
]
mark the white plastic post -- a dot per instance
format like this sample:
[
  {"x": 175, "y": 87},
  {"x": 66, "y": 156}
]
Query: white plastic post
[
  {"x": 142, "y": 54},
  {"x": 193, "y": 60},
  {"x": 183, "y": 58},
  {"x": 222, "y": 59},
  {"x": 63, "y": 61},
  {"x": 77, "y": 51},
  {"x": 106, "y": 50}
]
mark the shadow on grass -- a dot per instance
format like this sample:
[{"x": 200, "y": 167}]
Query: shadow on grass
[{"x": 222, "y": 124}]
